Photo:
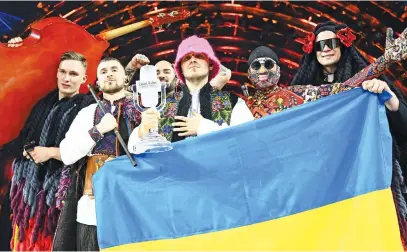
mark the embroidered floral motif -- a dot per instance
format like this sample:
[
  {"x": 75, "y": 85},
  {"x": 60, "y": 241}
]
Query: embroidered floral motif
[
  {"x": 95, "y": 134},
  {"x": 221, "y": 111},
  {"x": 171, "y": 110},
  {"x": 266, "y": 102},
  {"x": 217, "y": 105},
  {"x": 338, "y": 88},
  {"x": 166, "y": 129},
  {"x": 132, "y": 116}
]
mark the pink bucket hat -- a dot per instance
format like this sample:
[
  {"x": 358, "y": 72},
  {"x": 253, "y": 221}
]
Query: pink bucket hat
[{"x": 196, "y": 45}]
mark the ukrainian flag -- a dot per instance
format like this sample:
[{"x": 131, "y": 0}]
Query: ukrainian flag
[{"x": 316, "y": 177}]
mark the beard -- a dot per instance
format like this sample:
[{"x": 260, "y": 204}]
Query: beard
[
  {"x": 171, "y": 86},
  {"x": 111, "y": 88},
  {"x": 197, "y": 78}
]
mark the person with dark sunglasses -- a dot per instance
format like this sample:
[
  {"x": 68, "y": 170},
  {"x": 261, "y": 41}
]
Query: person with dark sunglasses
[
  {"x": 331, "y": 43},
  {"x": 264, "y": 70},
  {"x": 330, "y": 57},
  {"x": 270, "y": 97}
]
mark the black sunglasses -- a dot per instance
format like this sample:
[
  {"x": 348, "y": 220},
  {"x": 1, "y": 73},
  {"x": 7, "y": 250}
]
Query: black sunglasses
[
  {"x": 331, "y": 43},
  {"x": 268, "y": 64}
]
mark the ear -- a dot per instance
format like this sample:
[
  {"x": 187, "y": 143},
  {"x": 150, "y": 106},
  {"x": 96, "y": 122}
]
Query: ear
[{"x": 85, "y": 78}]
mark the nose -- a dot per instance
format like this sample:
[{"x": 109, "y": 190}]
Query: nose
[
  {"x": 192, "y": 59},
  {"x": 66, "y": 77},
  {"x": 262, "y": 69},
  {"x": 326, "y": 48}
]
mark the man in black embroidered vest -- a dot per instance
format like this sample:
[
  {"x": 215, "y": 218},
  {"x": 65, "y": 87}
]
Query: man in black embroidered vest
[
  {"x": 37, "y": 173},
  {"x": 197, "y": 108},
  {"x": 88, "y": 144}
]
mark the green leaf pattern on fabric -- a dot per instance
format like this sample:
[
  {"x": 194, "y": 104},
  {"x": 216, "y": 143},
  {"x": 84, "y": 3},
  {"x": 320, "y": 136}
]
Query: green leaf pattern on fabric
[{"x": 221, "y": 111}]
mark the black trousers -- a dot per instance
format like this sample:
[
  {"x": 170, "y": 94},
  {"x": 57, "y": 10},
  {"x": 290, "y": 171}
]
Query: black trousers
[{"x": 86, "y": 238}]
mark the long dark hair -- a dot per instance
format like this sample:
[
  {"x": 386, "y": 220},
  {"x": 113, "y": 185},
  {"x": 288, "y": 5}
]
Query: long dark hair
[
  {"x": 350, "y": 63},
  {"x": 311, "y": 71}
]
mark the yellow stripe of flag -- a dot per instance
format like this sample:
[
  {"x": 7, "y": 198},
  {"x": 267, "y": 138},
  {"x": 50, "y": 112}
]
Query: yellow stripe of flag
[{"x": 365, "y": 222}]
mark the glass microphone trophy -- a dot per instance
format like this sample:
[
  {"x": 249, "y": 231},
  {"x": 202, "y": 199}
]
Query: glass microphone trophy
[{"x": 150, "y": 93}]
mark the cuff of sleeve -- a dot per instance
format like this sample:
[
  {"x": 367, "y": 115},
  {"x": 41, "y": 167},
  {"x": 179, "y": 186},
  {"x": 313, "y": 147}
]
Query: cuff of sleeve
[
  {"x": 206, "y": 126},
  {"x": 95, "y": 134},
  {"x": 133, "y": 142},
  {"x": 396, "y": 118}
]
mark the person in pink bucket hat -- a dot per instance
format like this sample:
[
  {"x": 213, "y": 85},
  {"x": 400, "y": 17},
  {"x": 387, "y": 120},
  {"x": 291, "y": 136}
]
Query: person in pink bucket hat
[
  {"x": 196, "y": 108},
  {"x": 199, "y": 46}
]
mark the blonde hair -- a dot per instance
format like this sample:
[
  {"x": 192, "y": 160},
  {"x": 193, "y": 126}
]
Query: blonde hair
[{"x": 74, "y": 56}]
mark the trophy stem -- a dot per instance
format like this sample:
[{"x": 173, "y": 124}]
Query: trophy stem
[
  {"x": 153, "y": 131},
  {"x": 154, "y": 143}
]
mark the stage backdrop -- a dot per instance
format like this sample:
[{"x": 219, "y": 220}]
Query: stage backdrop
[{"x": 316, "y": 177}]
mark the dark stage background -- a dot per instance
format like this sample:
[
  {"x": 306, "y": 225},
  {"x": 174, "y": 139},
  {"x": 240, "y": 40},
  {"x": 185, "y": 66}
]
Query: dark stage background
[{"x": 234, "y": 28}]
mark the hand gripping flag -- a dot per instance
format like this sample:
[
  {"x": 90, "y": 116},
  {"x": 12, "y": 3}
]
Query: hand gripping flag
[{"x": 315, "y": 177}]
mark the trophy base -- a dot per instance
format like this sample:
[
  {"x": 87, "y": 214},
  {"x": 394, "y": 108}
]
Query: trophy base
[{"x": 154, "y": 143}]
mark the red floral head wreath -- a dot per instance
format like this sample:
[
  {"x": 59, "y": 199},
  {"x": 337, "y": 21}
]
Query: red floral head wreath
[
  {"x": 343, "y": 33},
  {"x": 308, "y": 43},
  {"x": 346, "y": 36}
]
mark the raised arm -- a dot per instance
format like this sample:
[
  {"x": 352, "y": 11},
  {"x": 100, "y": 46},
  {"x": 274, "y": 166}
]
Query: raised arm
[
  {"x": 396, "y": 50},
  {"x": 222, "y": 78},
  {"x": 135, "y": 64}
]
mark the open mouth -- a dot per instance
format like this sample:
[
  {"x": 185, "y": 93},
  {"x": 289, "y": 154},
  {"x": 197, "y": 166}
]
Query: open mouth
[{"x": 329, "y": 55}]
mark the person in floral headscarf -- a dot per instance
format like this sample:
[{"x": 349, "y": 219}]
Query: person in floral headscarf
[
  {"x": 197, "y": 108},
  {"x": 331, "y": 57}
]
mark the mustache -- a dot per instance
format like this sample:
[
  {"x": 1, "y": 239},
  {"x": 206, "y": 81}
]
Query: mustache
[{"x": 193, "y": 64}]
